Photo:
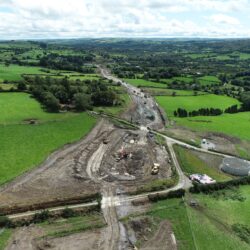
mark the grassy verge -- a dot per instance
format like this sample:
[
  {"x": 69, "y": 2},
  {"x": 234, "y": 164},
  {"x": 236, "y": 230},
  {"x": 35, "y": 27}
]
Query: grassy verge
[
  {"x": 190, "y": 164},
  {"x": 64, "y": 227},
  {"x": 4, "y": 237}
]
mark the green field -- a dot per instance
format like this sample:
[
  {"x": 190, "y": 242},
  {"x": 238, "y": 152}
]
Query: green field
[
  {"x": 186, "y": 79},
  {"x": 126, "y": 101},
  {"x": 231, "y": 124},
  {"x": 24, "y": 146},
  {"x": 190, "y": 103},
  {"x": 207, "y": 80},
  {"x": 17, "y": 107},
  {"x": 14, "y": 72},
  {"x": 192, "y": 164},
  {"x": 174, "y": 210},
  {"x": 144, "y": 83},
  {"x": 209, "y": 226}
]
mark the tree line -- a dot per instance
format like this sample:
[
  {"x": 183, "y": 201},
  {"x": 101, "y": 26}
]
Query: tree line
[{"x": 55, "y": 94}]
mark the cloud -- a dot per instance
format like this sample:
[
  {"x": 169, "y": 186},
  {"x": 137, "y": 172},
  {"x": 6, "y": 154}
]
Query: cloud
[
  {"x": 125, "y": 18},
  {"x": 224, "y": 19}
]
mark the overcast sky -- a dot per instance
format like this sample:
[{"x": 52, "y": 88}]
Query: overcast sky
[{"x": 25, "y": 19}]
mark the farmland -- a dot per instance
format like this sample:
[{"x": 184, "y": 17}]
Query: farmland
[
  {"x": 28, "y": 145},
  {"x": 231, "y": 124},
  {"x": 19, "y": 107},
  {"x": 170, "y": 104},
  {"x": 15, "y": 72},
  {"x": 207, "y": 226},
  {"x": 144, "y": 83}
]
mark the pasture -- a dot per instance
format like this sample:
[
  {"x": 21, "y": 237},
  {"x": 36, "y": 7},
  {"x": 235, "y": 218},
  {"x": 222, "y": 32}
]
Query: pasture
[
  {"x": 18, "y": 107},
  {"x": 144, "y": 83},
  {"x": 15, "y": 72},
  {"x": 24, "y": 146},
  {"x": 190, "y": 103},
  {"x": 236, "y": 125},
  {"x": 207, "y": 226}
]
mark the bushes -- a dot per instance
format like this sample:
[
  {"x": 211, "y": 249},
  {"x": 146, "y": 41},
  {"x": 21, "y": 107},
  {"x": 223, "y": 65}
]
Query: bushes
[
  {"x": 172, "y": 194},
  {"x": 68, "y": 212},
  {"x": 199, "y": 188},
  {"x": 5, "y": 222},
  {"x": 41, "y": 217},
  {"x": 242, "y": 231}
]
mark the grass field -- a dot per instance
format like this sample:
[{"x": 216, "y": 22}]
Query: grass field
[
  {"x": 17, "y": 107},
  {"x": 144, "y": 83},
  {"x": 236, "y": 125},
  {"x": 190, "y": 103},
  {"x": 24, "y": 146},
  {"x": 118, "y": 109},
  {"x": 208, "y": 80},
  {"x": 192, "y": 164},
  {"x": 212, "y": 225},
  {"x": 186, "y": 79},
  {"x": 14, "y": 72},
  {"x": 4, "y": 237},
  {"x": 174, "y": 210},
  {"x": 208, "y": 226}
]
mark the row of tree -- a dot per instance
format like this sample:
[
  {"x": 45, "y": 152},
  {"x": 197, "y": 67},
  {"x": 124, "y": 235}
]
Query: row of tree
[
  {"x": 200, "y": 112},
  {"x": 55, "y": 94}
]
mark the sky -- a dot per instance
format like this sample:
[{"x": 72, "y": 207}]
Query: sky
[{"x": 44, "y": 19}]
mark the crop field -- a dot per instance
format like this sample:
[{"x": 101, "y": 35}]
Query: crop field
[
  {"x": 190, "y": 103},
  {"x": 28, "y": 145},
  {"x": 207, "y": 226},
  {"x": 231, "y": 124},
  {"x": 144, "y": 83},
  {"x": 14, "y": 72},
  {"x": 192, "y": 164}
]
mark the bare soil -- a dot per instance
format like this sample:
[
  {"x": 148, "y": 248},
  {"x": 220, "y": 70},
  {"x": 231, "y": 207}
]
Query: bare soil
[
  {"x": 62, "y": 176},
  {"x": 151, "y": 234},
  {"x": 31, "y": 238}
]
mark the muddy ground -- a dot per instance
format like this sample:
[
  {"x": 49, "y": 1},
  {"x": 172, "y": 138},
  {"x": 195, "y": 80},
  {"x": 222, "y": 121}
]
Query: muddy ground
[
  {"x": 32, "y": 238},
  {"x": 148, "y": 234}
]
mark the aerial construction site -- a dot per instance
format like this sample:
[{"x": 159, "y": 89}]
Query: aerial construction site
[{"x": 112, "y": 170}]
